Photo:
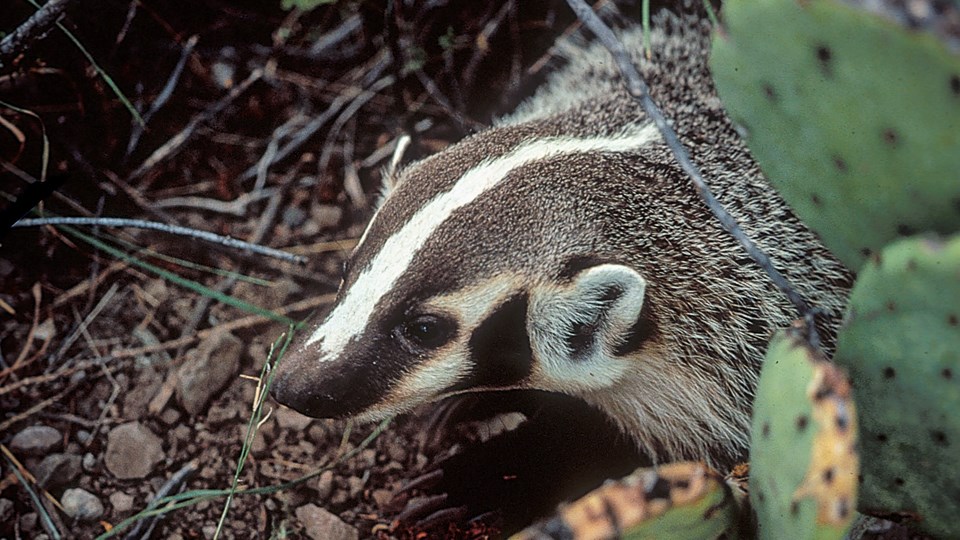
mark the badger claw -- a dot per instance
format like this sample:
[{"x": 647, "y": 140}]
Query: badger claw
[
  {"x": 422, "y": 506},
  {"x": 457, "y": 514},
  {"x": 426, "y": 481},
  {"x": 509, "y": 480}
]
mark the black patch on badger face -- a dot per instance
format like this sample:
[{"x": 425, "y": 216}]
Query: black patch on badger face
[{"x": 500, "y": 347}]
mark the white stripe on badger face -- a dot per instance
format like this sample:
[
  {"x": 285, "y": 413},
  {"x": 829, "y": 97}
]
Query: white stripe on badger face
[{"x": 350, "y": 317}]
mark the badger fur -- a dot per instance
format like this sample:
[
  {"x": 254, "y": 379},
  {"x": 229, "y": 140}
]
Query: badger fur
[{"x": 564, "y": 250}]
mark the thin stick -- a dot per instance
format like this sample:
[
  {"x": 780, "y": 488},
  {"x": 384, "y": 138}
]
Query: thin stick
[
  {"x": 36, "y": 27},
  {"x": 638, "y": 88},
  {"x": 138, "y": 128},
  {"x": 167, "y": 228},
  {"x": 174, "y": 145}
]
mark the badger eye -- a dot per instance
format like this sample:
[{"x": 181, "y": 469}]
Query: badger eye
[{"x": 426, "y": 331}]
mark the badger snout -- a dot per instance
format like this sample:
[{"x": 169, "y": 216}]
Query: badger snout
[{"x": 322, "y": 388}]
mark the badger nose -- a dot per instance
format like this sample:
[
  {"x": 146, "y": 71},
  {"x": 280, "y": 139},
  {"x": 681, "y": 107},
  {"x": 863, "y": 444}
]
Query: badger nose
[
  {"x": 321, "y": 387},
  {"x": 293, "y": 389}
]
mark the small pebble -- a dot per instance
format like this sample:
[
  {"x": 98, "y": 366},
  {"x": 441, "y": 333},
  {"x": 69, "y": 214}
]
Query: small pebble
[
  {"x": 355, "y": 484},
  {"x": 28, "y": 522},
  {"x": 89, "y": 462},
  {"x": 57, "y": 470},
  {"x": 132, "y": 451},
  {"x": 6, "y": 510},
  {"x": 382, "y": 497},
  {"x": 317, "y": 433},
  {"x": 81, "y": 504},
  {"x": 221, "y": 415},
  {"x": 367, "y": 458},
  {"x": 325, "y": 485},
  {"x": 259, "y": 444},
  {"x": 45, "y": 330},
  {"x": 321, "y": 524},
  {"x": 121, "y": 502},
  {"x": 293, "y": 216},
  {"x": 339, "y": 497},
  {"x": 291, "y": 419},
  {"x": 326, "y": 216},
  {"x": 207, "y": 369},
  {"x": 182, "y": 433},
  {"x": 36, "y": 441},
  {"x": 397, "y": 453},
  {"x": 170, "y": 416}
]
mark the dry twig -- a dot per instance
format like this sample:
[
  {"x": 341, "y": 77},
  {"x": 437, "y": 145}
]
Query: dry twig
[{"x": 36, "y": 27}]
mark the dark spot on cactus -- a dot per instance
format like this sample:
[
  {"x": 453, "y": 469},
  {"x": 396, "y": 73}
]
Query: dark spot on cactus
[
  {"x": 802, "y": 422},
  {"x": 840, "y": 164},
  {"x": 952, "y": 320},
  {"x": 794, "y": 508},
  {"x": 824, "y": 56},
  {"x": 815, "y": 199},
  {"x": 882, "y": 437},
  {"x": 912, "y": 265},
  {"x": 889, "y": 372},
  {"x": 890, "y": 136},
  {"x": 876, "y": 259},
  {"x": 770, "y": 92},
  {"x": 899, "y": 482},
  {"x": 761, "y": 496},
  {"x": 947, "y": 373},
  {"x": 866, "y": 251},
  {"x": 939, "y": 437},
  {"x": 828, "y": 476},
  {"x": 891, "y": 306},
  {"x": 765, "y": 430},
  {"x": 905, "y": 230},
  {"x": 955, "y": 84}
]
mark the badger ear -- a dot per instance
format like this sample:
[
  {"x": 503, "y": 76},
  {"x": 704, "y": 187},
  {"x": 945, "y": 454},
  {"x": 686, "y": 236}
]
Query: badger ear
[
  {"x": 589, "y": 318},
  {"x": 391, "y": 173}
]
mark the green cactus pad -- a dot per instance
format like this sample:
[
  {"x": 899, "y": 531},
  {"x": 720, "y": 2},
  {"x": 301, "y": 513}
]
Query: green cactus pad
[
  {"x": 679, "y": 500},
  {"x": 901, "y": 344},
  {"x": 803, "y": 458},
  {"x": 854, "y": 119}
]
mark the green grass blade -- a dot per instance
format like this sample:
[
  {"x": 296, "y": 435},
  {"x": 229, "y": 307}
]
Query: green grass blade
[
  {"x": 113, "y": 86},
  {"x": 185, "y": 283}
]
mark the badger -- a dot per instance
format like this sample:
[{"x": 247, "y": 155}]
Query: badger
[{"x": 564, "y": 250}]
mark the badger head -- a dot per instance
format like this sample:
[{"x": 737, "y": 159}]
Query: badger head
[{"x": 484, "y": 269}]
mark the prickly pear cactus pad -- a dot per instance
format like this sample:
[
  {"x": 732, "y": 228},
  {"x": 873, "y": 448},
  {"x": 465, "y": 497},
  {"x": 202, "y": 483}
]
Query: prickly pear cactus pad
[
  {"x": 901, "y": 344},
  {"x": 803, "y": 457},
  {"x": 854, "y": 119},
  {"x": 679, "y": 500}
]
